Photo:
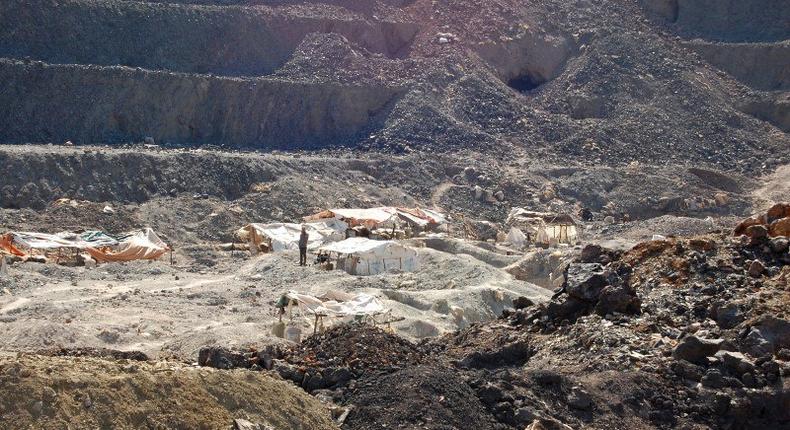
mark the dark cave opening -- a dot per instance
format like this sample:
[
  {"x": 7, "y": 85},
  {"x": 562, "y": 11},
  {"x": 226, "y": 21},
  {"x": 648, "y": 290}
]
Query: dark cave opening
[{"x": 524, "y": 83}]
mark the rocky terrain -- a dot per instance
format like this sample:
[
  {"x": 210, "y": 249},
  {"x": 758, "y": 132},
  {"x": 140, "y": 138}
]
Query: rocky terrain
[
  {"x": 678, "y": 333},
  {"x": 668, "y": 119}
]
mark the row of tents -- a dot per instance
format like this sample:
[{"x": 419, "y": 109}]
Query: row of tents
[{"x": 333, "y": 233}]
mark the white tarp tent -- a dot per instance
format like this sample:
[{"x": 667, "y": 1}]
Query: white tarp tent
[
  {"x": 284, "y": 236},
  {"x": 516, "y": 237},
  {"x": 360, "y": 256},
  {"x": 382, "y": 217},
  {"x": 339, "y": 305},
  {"x": 543, "y": 227}
]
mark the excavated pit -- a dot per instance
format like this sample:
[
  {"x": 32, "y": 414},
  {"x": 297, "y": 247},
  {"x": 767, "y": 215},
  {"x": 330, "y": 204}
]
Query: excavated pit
[{"x": 528, "y": 62}]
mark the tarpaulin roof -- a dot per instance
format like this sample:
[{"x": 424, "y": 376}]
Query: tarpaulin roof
[
  {"x": 360, "y": 304},
  {"x": 43, "y": 241},
  {"x": 285, "y": 236},
  {"x": 524, "y": 215},
  {"x": 381, "y": 215},
  {"x": 363, "y": 246},
  {"x": 142, "y": 245}
]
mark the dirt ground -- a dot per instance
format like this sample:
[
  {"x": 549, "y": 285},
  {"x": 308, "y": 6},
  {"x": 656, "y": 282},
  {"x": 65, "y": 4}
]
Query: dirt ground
[{"x": 66, "y": 392}]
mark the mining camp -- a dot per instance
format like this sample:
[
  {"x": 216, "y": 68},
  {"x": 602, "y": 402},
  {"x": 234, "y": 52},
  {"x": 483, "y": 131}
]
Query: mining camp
[{"x": 395, "y": 214}]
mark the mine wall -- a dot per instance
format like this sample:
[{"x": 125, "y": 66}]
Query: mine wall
[
  {"x": 764, "y": 66},
  {"x": 39, "y": 178},
  {"x": 725, "y": 20},
  {"x": 233, "y": 41},
  {"x": 93, "y": 104}
]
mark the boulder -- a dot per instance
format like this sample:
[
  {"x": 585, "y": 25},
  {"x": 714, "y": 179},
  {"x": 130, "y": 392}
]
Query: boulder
[
  {"x": 755, "y": 344},
  {"x": 579, "y": 399},
  {"x": 779, "y": 227},
  {"x": 523, "y": 416},
  {"x": 522, "y": 302},
  {"x": 740, "y": 229},
  {"x": 567, "y": 309},
  {"x": 777, "y": 211},
  {"x": 779, "y": 244},
  {"x": 619, "y": 298},
  {"x": 728, "y": 315},
  {"x": 221, "y": 358},
  {"x": 735, "y": 361},
  {"x": 756, "y": 269},
  {"x": 756, "y": 232},
  {"x": 695, "y": 350},
  {"x": 591, "y": 253},
  {"x": 687, "y": 370},
  {"x": 775, "y": 330},
  {"x": 585, "y": 281},
  {"x": 713, "y": 379}
]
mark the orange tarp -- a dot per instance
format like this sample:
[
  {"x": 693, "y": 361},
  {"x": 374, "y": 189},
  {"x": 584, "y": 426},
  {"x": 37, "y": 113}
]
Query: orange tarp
[
  {"x": 6, "y": 244},
  {"x": 144, "y": 245}
]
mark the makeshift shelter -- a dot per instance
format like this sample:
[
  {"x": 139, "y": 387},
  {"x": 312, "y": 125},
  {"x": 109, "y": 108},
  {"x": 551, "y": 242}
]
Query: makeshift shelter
[
  {"x": 543, "y": 227},
  {"x": 334, "y": 307},
  {"x": 360, "y": 256},
  {"x": 278, "y": 237},
  {"x": 382, "y": 217},
  {"x": 144, "y": 244},
  {"x": 141, "y": 245},
  {"x": 516, "y": 237}
]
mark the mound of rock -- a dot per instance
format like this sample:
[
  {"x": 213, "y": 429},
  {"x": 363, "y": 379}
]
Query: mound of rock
[
  {"x": 95, "y": 352},
  {"x": 359, "y": 347},
  {"x": 424, "y": 397}
]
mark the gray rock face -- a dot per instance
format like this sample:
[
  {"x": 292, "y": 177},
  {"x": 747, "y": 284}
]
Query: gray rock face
[
  {"x": 579, "y": 399},
  {"x": 735, "y": 361},
  {"x": 728, "y": 315},
  {"x": 755, "y": 344},
  {"x": 617, "y": 299},
  {"x": 585, "y": 281},
  {"x": 695, "y": 350}
]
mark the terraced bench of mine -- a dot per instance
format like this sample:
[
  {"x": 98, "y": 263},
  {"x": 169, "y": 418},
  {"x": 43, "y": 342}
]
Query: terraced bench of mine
[
  {"x": 223, "y": 40},
  {"x": 102, "y": 104}
]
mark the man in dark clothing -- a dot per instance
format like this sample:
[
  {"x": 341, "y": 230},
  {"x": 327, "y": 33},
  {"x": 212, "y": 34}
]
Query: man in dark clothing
[{"x": 303, "y": 247}]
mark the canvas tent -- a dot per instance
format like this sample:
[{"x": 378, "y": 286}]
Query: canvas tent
[
  {"x": 360, "y": 256},
  {"x": 382, "y": 217},
  {"x": 278, "y": 237},
  {"x": 141, "y": 245},
  {"x": 144, "y": 244},
  {"x": 543, "y": 227},
  {"x": 337, "y": 306}
]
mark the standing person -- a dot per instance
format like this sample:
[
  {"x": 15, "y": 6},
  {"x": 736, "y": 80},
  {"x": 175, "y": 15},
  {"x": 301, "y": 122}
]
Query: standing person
[{"x": 303, "y": 246}]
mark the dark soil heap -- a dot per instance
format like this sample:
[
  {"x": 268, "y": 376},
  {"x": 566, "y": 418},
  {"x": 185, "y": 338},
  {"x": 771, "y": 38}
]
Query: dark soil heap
[
  {"x": 425, "y": 397},
  {"x": 359, "y": 347}
]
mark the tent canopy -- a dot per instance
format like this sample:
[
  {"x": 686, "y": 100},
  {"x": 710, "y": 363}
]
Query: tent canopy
[
  {"x": 363, "y": 246},
  {"x": 381, "y": 216},
  {"x": 361, "y": 256},
  {"x": 521, "y": 215},
  {"x": 347, "y": 305},
  {"x": 141, "y": 245},
  {"x": 284, "y": 236}
]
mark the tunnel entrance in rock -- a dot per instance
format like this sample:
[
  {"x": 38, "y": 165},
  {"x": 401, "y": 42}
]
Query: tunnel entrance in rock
[{"x": 525, "y": 82}]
